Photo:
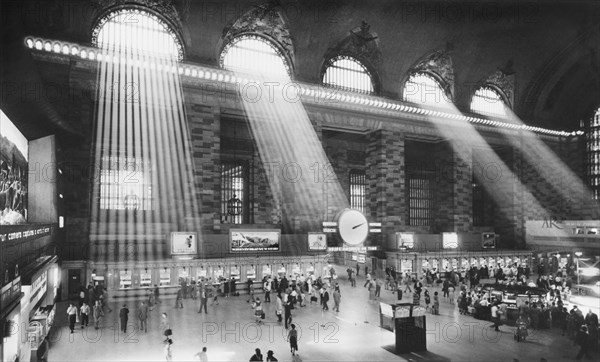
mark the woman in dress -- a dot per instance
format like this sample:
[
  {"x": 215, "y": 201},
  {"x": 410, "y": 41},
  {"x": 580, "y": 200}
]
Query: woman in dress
[{"x": 293, "y": 338}]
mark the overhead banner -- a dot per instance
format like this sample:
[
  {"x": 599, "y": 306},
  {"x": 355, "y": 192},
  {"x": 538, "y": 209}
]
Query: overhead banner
[
  {"x": 23, "y": 232},
  {"x": 353, "y": 248}
]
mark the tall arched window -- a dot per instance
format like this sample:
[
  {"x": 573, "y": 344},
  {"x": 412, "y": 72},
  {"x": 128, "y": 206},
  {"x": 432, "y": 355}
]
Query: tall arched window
[
  {"x": 593, "y": 154},
  {"x": 137, "y": 31},
  {"x": 347, "y": 73},
  {"x": 254, "y": 54},
  {"x": 487, "y": 100},
  {"x": 424, "y": 89}
]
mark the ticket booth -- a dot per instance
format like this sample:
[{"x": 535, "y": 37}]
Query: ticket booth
[
  {"x": 145, "y": 278},
  {"x": 165, "y": 277}
]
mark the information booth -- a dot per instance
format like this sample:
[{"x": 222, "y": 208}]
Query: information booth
[{"x": 514, "y": 296}]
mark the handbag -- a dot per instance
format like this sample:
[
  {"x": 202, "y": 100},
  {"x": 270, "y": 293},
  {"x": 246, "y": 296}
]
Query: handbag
[
  {"x": 168, "y": 332},
  {"x": 262, "y": 315}
]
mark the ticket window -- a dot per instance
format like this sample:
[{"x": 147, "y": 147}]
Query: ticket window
[
  {"x": 235, "y": 273},
  {"x": 165, "y": 277},
  {"x": 124, "y": 279},
  {"x": 465, "y": 263},
  {"x": 406, "y": 266},
  {"x": 296, "y": 270},
  {"x": 183, "y": 275},
  {"x": 445, "y": 265},
  {"x": 145, "y": 278},
  {"x": 454, "y": 264},
  {"x": 201, "y": 274},
  {"x": 310, "y": 270},
  {"x": 251, "y": 273},
  {"x": 435, "y": 264},
  {"x": 266, "y": 271},
  {"x": 281, "y": 271},
  {"x": 219, "y": 273},
  {"x": 425, "y": 264}
]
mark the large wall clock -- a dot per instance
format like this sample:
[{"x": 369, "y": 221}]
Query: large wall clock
[{"x": 353, "y": 227}]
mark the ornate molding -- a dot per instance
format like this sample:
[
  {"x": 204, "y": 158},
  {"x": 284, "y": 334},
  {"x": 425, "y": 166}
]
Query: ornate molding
[
  {"x": 362, "y": 44},
  {"x": 164, "y": 10},
  {"x": 265, "y": 20},
  {"x": 504, "y": 82},
  {"x": 438, "y": 64}
]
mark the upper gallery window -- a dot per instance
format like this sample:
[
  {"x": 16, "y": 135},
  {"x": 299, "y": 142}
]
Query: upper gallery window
[
  {"x": 137, "y": 31},
  {"x": 593, "y": 154},
  {"x": 254, "y": 54},
  {"x": 487, "y": 100},
  {"x": 424, "y": 89},
  {"x": 347, "y": 73}
]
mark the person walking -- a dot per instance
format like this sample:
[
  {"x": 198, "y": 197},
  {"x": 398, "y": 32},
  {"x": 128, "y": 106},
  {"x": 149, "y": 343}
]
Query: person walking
[
  {"x": 337, "y": 296},
  {"x": 168, "y": 349},
  {"x": 156, "y": 295},
  {"x": 257, "y": 306},
  {"x": 357, "y": 269},
  {"x": 267, "y": 288},
  {"x": 279, "y": 310},
  {"x": 85, "y": 314},
  {"x": 325, "y": 299},
  {"x": 98, "y": 314},
  {"x": 378, "y": 287},
  {"x": 582, "y": 339},
  {"x": 72, "y": 313},
  {"x": 124, "y": 317},
  {"x": 288, "y": 313},
  {"x": 368, "y": 280},
  {"x": 436, "y": 303},
  {"x": 165, "y": 326},
  {"x": 201, "y": 356},
  {"x": 293, "y": 339},
  {"x": 203, "y": 300},
  {"x": 179, "y": 299},
  {"x": 143, "y": 317}
]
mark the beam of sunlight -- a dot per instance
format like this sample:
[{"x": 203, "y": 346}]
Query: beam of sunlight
[
  {"x": 472, "y": 149},
  {"x": 552, "y": 169},
  {"x": 298, "y": 171},
  {"x": 143, "y": 184}
]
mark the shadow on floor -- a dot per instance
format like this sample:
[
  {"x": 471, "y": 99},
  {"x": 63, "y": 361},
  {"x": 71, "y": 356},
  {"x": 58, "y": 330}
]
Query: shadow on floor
[{"x": 416, "y": 356}]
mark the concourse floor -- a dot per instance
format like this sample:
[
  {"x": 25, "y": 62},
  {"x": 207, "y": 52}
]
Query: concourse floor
[{"x": 230, "y": 333}]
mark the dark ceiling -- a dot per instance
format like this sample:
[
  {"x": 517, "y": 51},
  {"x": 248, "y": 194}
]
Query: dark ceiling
[{"x": 554, "y": 48}]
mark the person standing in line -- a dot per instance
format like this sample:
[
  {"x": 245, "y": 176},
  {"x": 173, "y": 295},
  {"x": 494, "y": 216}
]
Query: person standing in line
[
  {"x": 72, "y": 312},
  {"x": 85, "y": 314},
  {"x": 293, "y": 338},
  {"x": 203, "y": 300},
  {"x": 143, "y": 317},
  {"x": 168, "y": 350},
  {"x": 201, "y": 356},
  {"x": 98, "y": 314},
  {"x": 124, "y": 317},
  {"x": 582, "y": 339},
  {"x": 337, "y": 296}
]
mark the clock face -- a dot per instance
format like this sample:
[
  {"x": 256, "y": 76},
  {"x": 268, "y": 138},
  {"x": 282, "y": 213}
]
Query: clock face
[{"x": 353, "y": 227}]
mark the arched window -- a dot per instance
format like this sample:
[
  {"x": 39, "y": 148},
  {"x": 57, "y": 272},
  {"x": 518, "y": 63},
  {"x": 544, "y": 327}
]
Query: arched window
[
  {"x": 347, "y": 73},
  {"x": 137, "y": 31},
  {"x": 593, "y": 154},
  {"x": 424, "y": 89},
  {"x": 254, "y": 54},
  {"x": 487, "y": 100}
]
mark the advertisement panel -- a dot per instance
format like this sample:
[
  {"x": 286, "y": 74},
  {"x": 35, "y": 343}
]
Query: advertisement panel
[
  {"x": 184, "y": 243},
  {"x": 247, "y": 240}
]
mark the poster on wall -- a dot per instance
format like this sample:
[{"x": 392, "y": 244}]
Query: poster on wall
[
  {"x": 405, "y": 240},
  {"x": 361, "y": 258},
  {"x": 13, "y": 173},
  {"x": 254, "y": 239},
  {"x": 488, "y": 241},
  {"x": 449, "y": 240},
  {"x": 317, "y": 241},
  {"x": 184, "y": 243}
]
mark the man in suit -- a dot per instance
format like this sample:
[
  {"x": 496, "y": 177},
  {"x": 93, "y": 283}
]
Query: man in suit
[
  {"x": 325, "y": 299},
  {"x": 124, "y": 316},
  {"x": 203, "y": 300},
  {"x": 143, "y": 316}
]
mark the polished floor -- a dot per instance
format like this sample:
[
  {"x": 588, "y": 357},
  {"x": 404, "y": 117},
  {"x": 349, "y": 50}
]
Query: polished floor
[{"x": 230, "y": 333}]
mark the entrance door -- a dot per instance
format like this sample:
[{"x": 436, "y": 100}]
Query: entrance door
[{"x": 74, "y": 283}]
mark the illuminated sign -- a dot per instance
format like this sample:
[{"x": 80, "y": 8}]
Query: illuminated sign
[{"x": 449, "y": 240}]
